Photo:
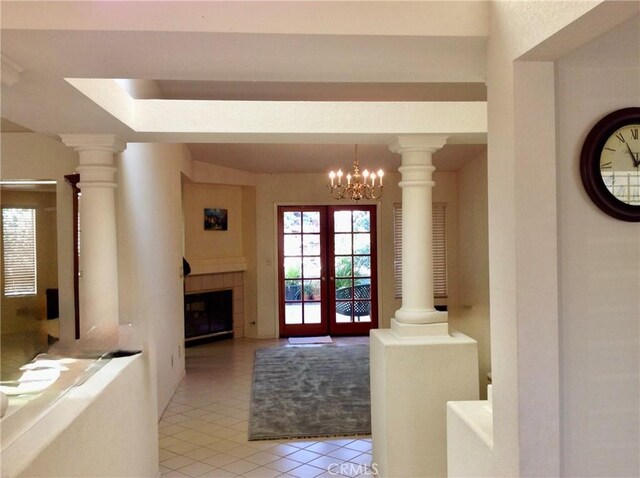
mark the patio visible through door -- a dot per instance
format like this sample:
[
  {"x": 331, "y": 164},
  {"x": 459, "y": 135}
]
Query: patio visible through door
[{"x": 327, "y": 270}]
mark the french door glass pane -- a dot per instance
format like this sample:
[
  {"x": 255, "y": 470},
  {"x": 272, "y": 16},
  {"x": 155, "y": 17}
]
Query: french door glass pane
[
  {"x": 363, "y": 288},
  {"x": 344, "y": 266},
  {"x": 344, "y": 289},
  {"x": 342, "y": 221},
  {"x": 342, "y": 244},
  {"x": 311, "y": 244},
  {"x": 293, "y": 313},
  {"x": 310, "y": 221},
  {"x": 361, "y": 244},
  {"x": 312, "y": 313},
  {"x": 292, "y": 222},
  {"x": 292, "y": 289},
  {"x": 361, "y": 221},
  {"x": 292, "y": 245},
  {"x": 292, "y": 267},
  {"x": 362, "y": 266},
  {"x": 312, "y": 267},
  {"x": 312, "y": 290}
]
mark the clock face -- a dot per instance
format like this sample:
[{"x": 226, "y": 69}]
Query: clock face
[
  {"x": 620, "y": 164},
  {"x": 610, "y": 164}
]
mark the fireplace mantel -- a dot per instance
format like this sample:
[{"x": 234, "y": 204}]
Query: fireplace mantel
[{"x": 218, "y": 265}]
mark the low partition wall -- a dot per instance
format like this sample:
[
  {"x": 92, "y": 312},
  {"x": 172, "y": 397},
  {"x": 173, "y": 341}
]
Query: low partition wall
[
  {"x": 104, "y": 427},
  {"x": 470, "y": 438}
]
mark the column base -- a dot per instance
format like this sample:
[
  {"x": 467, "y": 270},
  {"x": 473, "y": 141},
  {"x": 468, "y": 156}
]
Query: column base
[
  {"x": 421, "y": 316},
  {"x": 400, "y": 329},
  {"x": 411, "y": 382}
]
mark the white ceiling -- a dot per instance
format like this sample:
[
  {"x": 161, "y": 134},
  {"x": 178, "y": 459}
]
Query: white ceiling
[{"x": 277, "y": 51}]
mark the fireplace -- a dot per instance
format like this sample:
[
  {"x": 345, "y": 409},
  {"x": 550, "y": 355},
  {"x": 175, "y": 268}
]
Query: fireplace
[
  {"x": 212, "y": 282},
  {"x": 208, "y": 316}
]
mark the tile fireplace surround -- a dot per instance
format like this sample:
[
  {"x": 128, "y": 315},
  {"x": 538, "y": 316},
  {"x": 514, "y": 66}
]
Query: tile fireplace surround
[{"x": 222, "y": 281}]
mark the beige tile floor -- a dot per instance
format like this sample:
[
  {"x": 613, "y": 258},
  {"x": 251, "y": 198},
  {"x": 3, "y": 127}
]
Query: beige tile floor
[{"x": 203, "y": 432}]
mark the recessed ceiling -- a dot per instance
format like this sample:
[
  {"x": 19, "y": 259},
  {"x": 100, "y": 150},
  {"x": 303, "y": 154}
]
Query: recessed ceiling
[
  {"x": 248, "y": 51},
  {"x": 314, "y": 91},
  {"x": 320, "y": 158}
]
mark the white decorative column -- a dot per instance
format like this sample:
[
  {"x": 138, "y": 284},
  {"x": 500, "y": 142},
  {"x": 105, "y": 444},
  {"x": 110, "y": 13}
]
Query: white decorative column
[
  {"x": 417, "y": 229},
  {"x": 418, "y": 365},
  {"x": 98, "y": 245}
]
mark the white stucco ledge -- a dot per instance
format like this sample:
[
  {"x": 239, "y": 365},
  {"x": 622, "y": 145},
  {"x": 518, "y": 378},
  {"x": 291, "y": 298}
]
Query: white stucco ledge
[
  {"x": 53, "y": 428},
  {"x": 469, "y": 439}
]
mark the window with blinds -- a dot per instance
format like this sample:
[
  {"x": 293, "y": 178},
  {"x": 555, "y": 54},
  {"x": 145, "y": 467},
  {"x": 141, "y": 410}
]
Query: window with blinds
[
  {"x": 439, "y": 249},
  {"x": 19, "y": 248}
]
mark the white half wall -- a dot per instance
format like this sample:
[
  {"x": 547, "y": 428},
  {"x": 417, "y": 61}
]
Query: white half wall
[{"x": 113, "y": 435}]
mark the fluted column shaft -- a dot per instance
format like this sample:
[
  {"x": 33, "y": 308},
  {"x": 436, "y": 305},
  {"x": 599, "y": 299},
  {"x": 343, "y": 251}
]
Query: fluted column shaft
[
  {"x": 98, "y": 243},
  {"x": 417, "y": 228}
]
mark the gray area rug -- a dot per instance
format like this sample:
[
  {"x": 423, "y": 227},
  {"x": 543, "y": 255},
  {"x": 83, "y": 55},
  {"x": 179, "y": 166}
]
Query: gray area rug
[{"x": 301, "y": 392}]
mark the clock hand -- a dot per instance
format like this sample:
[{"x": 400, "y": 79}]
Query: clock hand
[{"x": 633, "y": 158}]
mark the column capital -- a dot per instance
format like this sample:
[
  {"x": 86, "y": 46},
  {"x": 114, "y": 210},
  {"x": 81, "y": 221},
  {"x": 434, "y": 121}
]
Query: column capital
[
  {"x": 94, "y": 142},
  {"x": 417, "y": 143}
]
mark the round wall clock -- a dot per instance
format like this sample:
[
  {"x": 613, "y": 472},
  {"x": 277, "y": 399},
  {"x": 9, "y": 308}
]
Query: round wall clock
[{"x": 610, "y": 164}]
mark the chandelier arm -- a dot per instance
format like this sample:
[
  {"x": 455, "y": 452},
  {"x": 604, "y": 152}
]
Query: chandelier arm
[{"x": 356, "y": 187}]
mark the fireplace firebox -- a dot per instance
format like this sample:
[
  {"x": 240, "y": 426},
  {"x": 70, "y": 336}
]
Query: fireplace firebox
[{"x": 208, "y": 316}]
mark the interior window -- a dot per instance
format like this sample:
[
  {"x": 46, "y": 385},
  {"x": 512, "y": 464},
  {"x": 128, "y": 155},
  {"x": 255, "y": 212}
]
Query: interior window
[{"x": 19, "y": 243}]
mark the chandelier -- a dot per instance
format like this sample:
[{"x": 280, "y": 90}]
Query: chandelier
[{"x": 358, "y": 185}]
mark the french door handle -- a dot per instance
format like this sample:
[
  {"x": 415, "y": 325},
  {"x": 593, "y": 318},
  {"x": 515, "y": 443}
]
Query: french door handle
[{"x": 331, "y": 278}]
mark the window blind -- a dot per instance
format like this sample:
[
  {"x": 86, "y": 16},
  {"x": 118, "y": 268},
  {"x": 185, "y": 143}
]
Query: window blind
[
  {"x": 19, "y": 247},
  {"x": 439, "y": 249}
]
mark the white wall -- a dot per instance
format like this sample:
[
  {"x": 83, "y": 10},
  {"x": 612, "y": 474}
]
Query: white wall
[
  {"x": 35, "y": 156},
  {"x": 599, "y": 271},
  {"x": 470, "y": 314},
  {"x": 522, "y": 219},
  {"x": 150, "y": 256},
  {"x": 202, "y": 247}
]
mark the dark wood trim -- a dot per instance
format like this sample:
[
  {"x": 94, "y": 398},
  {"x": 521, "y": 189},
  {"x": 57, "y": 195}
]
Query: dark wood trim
[
  {"x": 303, "y": 329},
  {"x": 328, "y": 323},
  {"x": 73, "y": 180},
  {"x": 353, "y": 328}
]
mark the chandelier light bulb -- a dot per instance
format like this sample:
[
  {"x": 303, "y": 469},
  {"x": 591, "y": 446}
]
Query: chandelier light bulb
[
  {"x": 380, "y": 174},
  {"x": 373, "y": 179},
  {"x": 365, "y": 173},
  {"x": 348, "y": 178}
]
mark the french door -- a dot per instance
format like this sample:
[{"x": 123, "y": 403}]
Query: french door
[{"x": 327, "y": 270}]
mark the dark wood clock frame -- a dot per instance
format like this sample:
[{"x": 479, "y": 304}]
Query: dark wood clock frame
[{"x": 590, "y": 164}]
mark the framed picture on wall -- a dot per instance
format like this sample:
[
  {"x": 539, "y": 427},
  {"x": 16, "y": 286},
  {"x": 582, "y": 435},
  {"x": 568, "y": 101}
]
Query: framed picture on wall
[{"x": 215, "y": 219}]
